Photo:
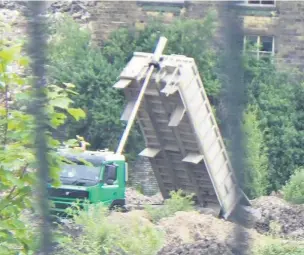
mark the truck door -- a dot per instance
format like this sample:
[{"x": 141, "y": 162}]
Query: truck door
[{"x": 110, "y": 186}]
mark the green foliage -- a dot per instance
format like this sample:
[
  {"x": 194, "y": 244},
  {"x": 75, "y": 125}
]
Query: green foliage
[
  {"x": 294, "y": 189},
  {"x": 280, "y": 249},
  {"x": 256, "y": 160},
  {"x": 17, "y": 155},
  {"x": 177, "y": 202},
  {"x": 105, "y": 233},
  {"x": 74, "y": 59},
  {"x": 276, "y": 95}
]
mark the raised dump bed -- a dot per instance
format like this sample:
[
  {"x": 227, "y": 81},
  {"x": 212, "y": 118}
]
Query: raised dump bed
[{"x": 183, "y": 141}]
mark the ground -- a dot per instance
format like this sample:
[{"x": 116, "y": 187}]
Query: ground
[{"x": 193, "y": 232}]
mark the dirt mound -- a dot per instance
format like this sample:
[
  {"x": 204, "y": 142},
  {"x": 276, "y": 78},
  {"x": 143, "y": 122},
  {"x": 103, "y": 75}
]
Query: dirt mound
[
  {"x": 187, "y": 227},
  {"x": 208, "y": 246},
  {"x": 135, "y": 198},
  {"x": 194, "y": 233},
  {"x": 279, "y": 217}
]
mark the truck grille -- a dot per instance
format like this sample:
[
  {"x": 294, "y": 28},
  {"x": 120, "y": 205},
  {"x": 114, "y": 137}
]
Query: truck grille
[{"x": 68, "y": 193}]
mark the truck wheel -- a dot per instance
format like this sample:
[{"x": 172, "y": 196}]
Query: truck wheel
[{"x": 118, "y": 205}]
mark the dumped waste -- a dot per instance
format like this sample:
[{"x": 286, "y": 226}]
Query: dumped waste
[
  {"x": 209, "y": 246},
  {"x": 273, "y": 216},
  {"x": 133, "y": 197},
  {"x": 279, "y": 217}
]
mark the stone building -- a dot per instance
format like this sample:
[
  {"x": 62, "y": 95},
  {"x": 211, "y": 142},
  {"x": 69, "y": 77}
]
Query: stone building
[{"x": 278, "y": 26}]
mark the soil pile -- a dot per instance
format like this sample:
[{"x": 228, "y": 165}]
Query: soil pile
[
  {"x": 279, "y": 217},
  {"x": 186, "y": 227},
  {"x": 194, "y": 233},
  {"x": 207, "y": 245},
  {"x": 135, "y": 198}
]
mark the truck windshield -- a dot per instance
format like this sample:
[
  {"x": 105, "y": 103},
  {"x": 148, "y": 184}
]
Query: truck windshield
[{"x": 79, "y": 174}]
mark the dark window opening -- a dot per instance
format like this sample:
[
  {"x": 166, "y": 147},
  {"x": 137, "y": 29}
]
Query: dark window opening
[
  {"x": 266, "y": 43},
  {"x": 268, "y": 2},
  {"x": 261, "y": 2}
]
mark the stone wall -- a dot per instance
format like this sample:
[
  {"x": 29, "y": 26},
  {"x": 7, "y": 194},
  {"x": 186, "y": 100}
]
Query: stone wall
[
  {"x": 290, "y": 33},
  {"x": 284, "y": 21},
  {"x": 143, "y": 177},
  {"x": 107, "y": 16}
]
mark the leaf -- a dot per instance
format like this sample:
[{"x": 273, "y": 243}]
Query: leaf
[
  {"x": 23, "y": 61},
  {"x": 57, "y": 119},
  {"x": 71, "y": 142},
  {"x": 69, "y": 85},
  {"x": 77, "y": 113},
  {"x": 8, "y": 54},
  {"x": 60, "y": 102},
  {"x": 71, "y": 91}
]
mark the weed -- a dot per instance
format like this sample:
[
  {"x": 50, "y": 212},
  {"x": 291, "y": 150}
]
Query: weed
[
  {"x": 294, "y": 189},
  {"x": 177, "y": 202},
  {"x": 103, "y": 232}
]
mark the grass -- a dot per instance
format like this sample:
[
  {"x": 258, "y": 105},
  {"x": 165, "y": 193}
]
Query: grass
[
  {"x": 103, "y": 232},
  {"x": 177, "y": 202}
]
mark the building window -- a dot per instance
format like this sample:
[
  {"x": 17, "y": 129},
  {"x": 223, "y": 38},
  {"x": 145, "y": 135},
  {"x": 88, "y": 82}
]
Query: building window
[
  {"x": 262, "y": 46},
  {"x": 260, "y": 2}
]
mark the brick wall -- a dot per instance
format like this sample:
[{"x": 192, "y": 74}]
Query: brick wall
[
  {"x": 110, "y": 15},
  {"x": 290, "y": 33},
  {"x": 143, "y": 177},
  {"x": 285, "y": 21}
]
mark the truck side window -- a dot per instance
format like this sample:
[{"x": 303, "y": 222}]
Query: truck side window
[{"x": 110, "y": 174}]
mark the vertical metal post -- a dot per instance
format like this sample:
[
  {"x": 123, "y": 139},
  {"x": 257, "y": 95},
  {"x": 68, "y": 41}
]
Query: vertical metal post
[
  {"x": 234, "y": 100},
  {"x": 37, "y": 52},
  {"x": 157, "y": 54}
]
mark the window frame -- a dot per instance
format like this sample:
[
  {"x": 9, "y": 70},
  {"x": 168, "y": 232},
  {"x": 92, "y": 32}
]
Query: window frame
[
  {"x": 260, "y": 4},
  {"x": 258, "y": 42}
]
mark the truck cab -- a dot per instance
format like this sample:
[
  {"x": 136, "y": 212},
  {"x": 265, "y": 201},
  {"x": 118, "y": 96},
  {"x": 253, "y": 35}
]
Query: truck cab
[{"x": 91, "y": 176}]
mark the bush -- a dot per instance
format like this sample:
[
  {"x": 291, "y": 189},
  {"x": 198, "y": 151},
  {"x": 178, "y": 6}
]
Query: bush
[
  {"x": 294, "y": 189},
  {"x": 102, "y": 232},
  {"x": 177, "y": 202},
  {"x": 256, "y": 158},
  {"x": 277, "y": 94},
  {"x": 280, "y": 249}
]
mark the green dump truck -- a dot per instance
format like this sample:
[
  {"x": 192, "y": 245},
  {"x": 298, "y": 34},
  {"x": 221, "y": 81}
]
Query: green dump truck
[
  {"x": 165, "y": 94},
  {"x": 92, "y": 176}
]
